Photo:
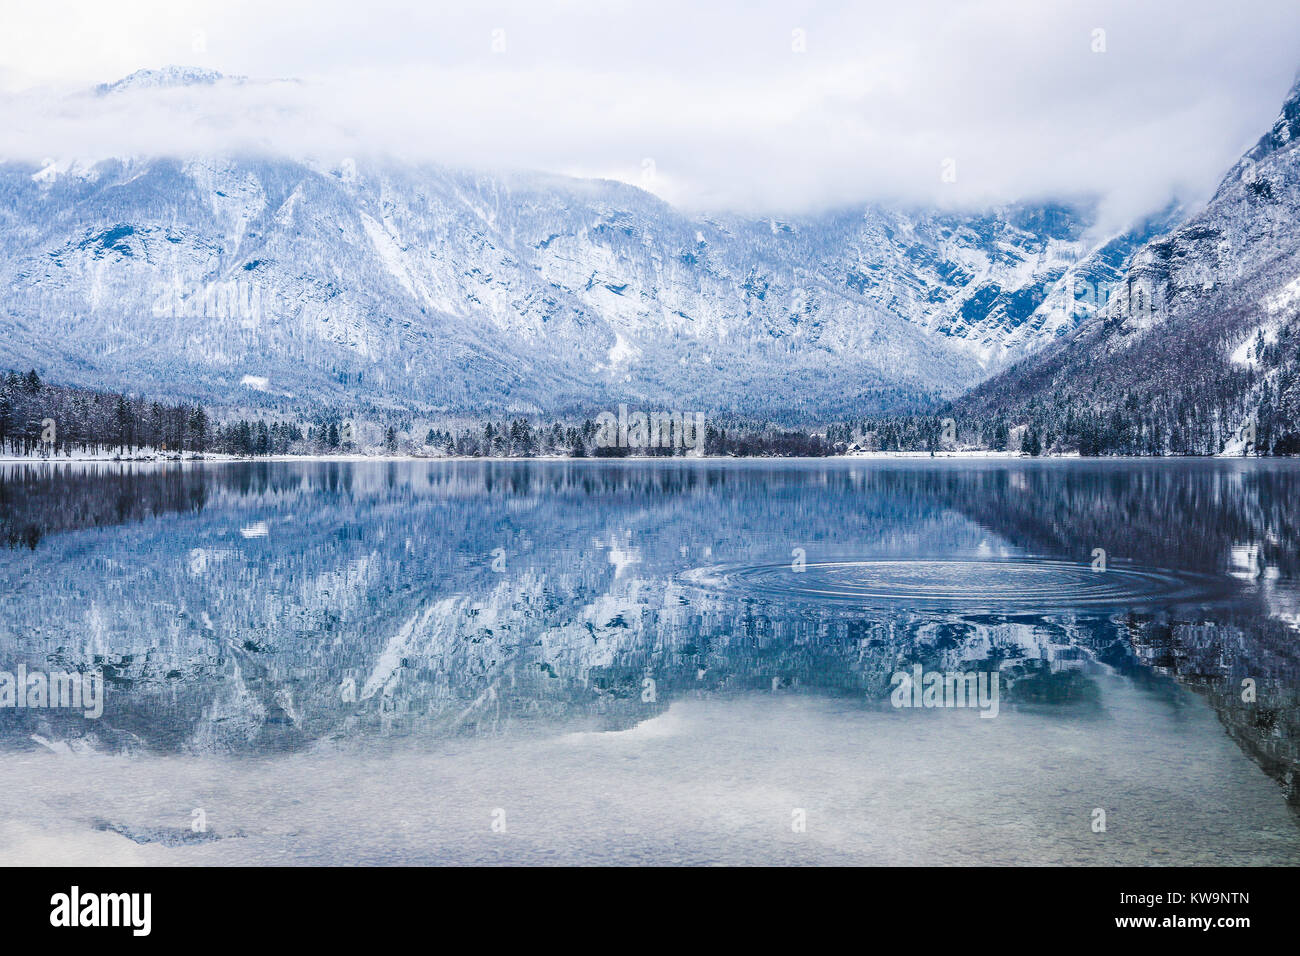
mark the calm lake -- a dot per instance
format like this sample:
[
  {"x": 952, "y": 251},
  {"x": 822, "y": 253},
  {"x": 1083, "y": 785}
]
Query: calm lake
[{"x": 654, "y": 661}]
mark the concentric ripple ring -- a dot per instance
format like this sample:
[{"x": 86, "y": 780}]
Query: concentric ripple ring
[{"x": 1027, "y": 585}]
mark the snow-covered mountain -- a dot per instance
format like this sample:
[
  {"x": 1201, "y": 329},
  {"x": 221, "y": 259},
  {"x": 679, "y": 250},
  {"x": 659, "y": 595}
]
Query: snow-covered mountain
[
  {"x": 1240, "y": 251},
  {"x": 167, "y": 78},
  {"x": 245, "y": 279},
  {"x": 1202, "y": 335}
]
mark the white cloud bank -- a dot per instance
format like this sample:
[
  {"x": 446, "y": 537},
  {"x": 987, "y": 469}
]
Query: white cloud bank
[{"x": 767, "y": 107}]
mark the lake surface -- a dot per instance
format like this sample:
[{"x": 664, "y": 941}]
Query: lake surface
[{"x": 654, "y": 661}]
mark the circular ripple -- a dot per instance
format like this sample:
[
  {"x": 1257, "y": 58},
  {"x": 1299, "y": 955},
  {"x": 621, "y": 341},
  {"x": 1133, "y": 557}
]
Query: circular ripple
[{"x": 1039, "y": 585}]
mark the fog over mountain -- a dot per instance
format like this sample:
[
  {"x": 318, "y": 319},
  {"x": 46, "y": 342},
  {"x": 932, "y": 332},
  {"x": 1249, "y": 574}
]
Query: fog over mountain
[
  {"x": 761, "y": 108},
  {"x": 1201, "y": 342},
  {"x": 263, "y": 280},
  {"x": 495, "y": 210}
]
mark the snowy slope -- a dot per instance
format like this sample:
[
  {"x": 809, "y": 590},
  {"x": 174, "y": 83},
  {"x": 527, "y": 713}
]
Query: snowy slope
[
  {"x": 249, "y": 279},
  {"x": 1204, "y": 326}
]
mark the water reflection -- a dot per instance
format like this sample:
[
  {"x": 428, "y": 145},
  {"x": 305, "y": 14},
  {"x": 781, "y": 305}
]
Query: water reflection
[{"x": 255, "y": 607}]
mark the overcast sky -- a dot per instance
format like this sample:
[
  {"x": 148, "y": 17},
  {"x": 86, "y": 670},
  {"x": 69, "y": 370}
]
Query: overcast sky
[{"x": 760, "y": 107}]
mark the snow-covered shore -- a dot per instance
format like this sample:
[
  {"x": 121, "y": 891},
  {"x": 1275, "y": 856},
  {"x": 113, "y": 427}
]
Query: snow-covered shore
[{"x": 962, "y": 454}]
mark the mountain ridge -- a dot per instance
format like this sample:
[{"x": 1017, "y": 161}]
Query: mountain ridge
[{"x": 281, "y": 283}]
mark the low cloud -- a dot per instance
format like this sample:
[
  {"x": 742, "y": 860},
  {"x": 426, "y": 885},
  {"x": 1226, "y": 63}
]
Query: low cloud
[{"x": 770, "y": 108}]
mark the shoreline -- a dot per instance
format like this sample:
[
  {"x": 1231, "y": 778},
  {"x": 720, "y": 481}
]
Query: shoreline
[{"x": 961, "y": 455}]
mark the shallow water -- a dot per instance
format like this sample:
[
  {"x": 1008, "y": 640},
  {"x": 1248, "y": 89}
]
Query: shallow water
[{"x": 660, "y": 661}]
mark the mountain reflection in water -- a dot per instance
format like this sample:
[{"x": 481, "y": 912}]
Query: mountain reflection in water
[{"x": 274, "y": 607}]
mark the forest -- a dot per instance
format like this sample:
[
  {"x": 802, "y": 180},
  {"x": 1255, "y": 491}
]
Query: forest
[{"x": 38, "y": 419}]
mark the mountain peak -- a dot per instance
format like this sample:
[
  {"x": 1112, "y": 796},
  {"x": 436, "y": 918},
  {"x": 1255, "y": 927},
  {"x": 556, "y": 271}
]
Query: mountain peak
[
  {"x": 1285, "y": 129},
  {"x": 165, "y": 78}
]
